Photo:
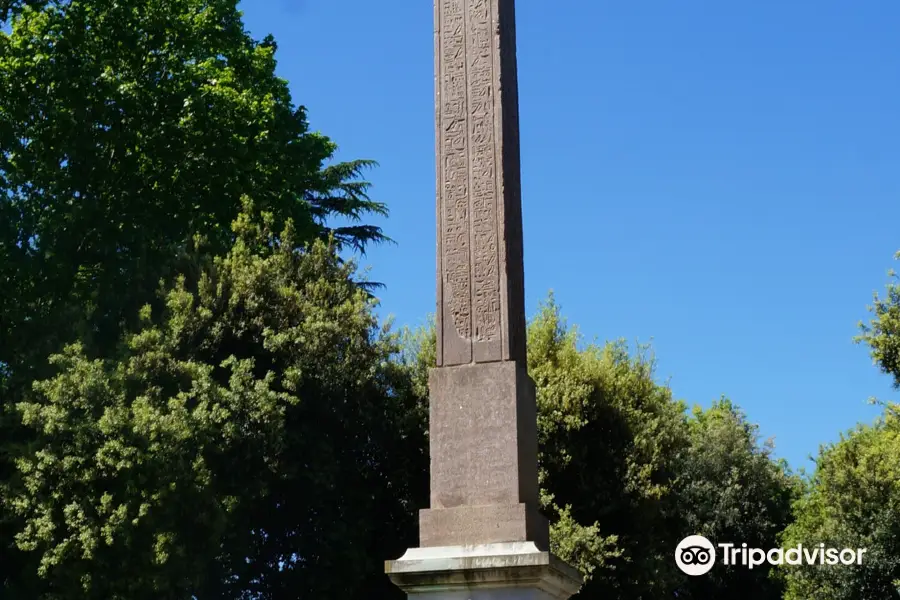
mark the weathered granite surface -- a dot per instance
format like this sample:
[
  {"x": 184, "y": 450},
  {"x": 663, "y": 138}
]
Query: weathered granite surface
[{"x": 484, "y": 473}]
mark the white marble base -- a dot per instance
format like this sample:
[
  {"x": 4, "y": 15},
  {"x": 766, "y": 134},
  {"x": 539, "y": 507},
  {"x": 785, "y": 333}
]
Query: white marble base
[{"x": 507, "y": 571}]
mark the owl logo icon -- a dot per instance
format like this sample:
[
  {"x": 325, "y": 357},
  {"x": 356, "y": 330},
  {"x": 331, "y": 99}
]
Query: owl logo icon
[{"x": 695, "y": 555}]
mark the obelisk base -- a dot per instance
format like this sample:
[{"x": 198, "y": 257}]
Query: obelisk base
[
  {"x": 505, "y": 571},
  {"x": 484, "y": 471},
  {"x": 491, "y": 524}
]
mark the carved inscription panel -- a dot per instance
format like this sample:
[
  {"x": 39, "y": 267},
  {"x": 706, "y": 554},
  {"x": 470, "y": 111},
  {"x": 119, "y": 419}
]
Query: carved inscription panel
[
  {"x": 473, "y": 295},
  {"x": 482, "y": 164},
  {"x": 454, "y": 177}
]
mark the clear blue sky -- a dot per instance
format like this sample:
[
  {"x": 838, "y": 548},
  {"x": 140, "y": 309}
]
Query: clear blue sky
[{"x": 721, "y": 177}]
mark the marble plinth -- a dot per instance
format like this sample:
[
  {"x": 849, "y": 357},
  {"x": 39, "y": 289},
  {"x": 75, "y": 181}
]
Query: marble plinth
[{"x": 504, "y": 571}]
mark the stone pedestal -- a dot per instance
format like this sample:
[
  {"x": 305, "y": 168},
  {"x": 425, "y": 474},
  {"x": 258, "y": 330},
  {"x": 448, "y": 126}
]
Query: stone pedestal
[
  {"x": 483, "y": 537},
  {"x": 484, "y": 473},
  {"x": 505, "y": 571}
]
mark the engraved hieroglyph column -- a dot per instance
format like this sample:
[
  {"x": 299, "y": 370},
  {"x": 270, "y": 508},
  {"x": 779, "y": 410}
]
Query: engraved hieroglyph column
[
  {"x": 481, "y": 314},
  {"x": 483, "y": 535}
]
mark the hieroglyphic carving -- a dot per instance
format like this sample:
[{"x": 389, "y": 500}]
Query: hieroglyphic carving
[
  {"x": 480, "y": 286},
  {"x": 483, "y": 173},
  {"x": 454, "y": 184}
]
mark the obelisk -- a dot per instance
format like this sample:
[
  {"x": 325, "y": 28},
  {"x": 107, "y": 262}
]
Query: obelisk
[{"x": 483, "y": 536}]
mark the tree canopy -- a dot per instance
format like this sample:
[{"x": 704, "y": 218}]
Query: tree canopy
[
  {"x": 853, "y": 502},
  {"x": 250, "y": 440},
  {"x": 882, "y": 333},
  {"x": 131, "y": 130},
  {"x": 127, "y": 128},
  {"x": 627, "y": 472},
  {"x": 853, "y": 498}
]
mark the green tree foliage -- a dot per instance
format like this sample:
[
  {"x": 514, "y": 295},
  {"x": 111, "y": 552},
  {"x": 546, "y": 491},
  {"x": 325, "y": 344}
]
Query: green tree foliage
[
  {"x": 732, "y": 490},
  {"x": 127, "y": 129},
  {"x": 882, "y": 334},
  {"x": 853, "y": 502},
  {"x": 853, "y": 499},
  {"x": 611, "y": 443},
  {"x": 253, "y": 440}
]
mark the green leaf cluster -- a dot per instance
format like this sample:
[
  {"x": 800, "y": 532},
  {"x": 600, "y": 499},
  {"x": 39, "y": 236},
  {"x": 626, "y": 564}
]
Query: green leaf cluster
[
  {"x": 627, "y": 472},
  {"x": 127, "y": 129},
  {"x": 853, "y": 502},
  {"x": 243, "y": 443},
  {"x": 131, "y": 134},
  {"x": 733, "y": 490},
  {"x": 882, "y": 333},
  {"x": 853, "y": 498}
]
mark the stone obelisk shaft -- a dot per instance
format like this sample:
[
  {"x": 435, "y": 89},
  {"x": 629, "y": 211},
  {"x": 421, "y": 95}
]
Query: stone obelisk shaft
[
  {"x": 483, "y": 431},
  {"x": 483, "y": 537},
  {"x": 480, "y": 291}
]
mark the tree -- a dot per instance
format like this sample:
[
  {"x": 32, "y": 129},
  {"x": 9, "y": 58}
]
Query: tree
[
  {"x": 611, "y": 441},
  {"x": 882, "y": 334},
  {"x": 732, "y": 490},
  {"x": 252, "y": 440},
  {"x": 853, "y": 502},
  {"x": 127, "y": 129}
]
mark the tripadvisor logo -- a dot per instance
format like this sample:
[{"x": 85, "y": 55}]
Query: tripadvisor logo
[{"x": 696, "y": 555}]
